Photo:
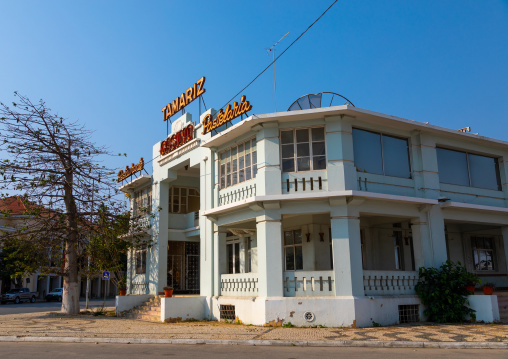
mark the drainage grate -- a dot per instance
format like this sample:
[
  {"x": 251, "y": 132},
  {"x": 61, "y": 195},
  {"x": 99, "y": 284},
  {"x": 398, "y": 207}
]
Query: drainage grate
[
  {"x": 227, "y": 312},
  {"x": 409, "y": 313}
]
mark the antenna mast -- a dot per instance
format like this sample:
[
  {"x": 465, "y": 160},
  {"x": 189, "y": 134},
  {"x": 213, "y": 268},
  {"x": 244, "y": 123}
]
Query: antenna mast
[{"x": 274, "y": 82}]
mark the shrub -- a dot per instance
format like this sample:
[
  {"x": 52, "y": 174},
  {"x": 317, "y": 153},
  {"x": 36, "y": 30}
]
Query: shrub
[{"x": 443, "y": 293}]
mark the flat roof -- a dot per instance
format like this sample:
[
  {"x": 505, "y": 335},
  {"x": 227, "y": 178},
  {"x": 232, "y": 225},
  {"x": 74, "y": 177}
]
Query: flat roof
[
  {"x": 245, "y": 126},
  {"x": 135, "y": 183}
]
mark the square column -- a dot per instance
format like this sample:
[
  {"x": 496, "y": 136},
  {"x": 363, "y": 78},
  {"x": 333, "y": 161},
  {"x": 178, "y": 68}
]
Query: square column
[
  {"x": 220, "y": 260},
  {"x": 269, "y": 238},
  {"x": 339, "y": 150},
  {"x": 429, "y": 238},
  {"x": 269, "y": 170},
  {"x": 347, "y": 252}
]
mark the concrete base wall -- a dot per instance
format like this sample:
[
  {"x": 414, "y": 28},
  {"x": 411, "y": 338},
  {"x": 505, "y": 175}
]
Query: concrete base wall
[
  {"x": 326, "y": 311},
  {"x": 486, "y": 307},
  {"x": 183, "y": 308},
  {"x": 127, "y": 302}
]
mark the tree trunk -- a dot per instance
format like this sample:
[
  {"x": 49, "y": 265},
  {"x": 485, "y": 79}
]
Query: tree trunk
[{"x": 70, "y": 298}]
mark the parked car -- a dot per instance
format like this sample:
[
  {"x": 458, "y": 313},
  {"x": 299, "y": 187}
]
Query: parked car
[
  {"x": 55, "y": 294},
  {"x": 19, "y": 295}
]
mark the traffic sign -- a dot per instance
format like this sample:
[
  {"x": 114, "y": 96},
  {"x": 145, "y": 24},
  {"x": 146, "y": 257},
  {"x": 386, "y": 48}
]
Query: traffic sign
[{"x": 105, "y": 275}]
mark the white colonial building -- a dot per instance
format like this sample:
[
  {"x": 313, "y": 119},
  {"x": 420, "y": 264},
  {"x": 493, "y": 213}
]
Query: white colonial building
[{"x": 317, "y": 217}]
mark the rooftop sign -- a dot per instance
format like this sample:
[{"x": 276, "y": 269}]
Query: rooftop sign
[
  {"x": 130, "y": 171},
  {"x": 210, "y": 123},
  {"x": 177, "y": 140},
  {"x": 184, "y": 99}
]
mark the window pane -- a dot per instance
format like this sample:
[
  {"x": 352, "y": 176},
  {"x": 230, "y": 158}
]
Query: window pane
[
  {"x": 241, "y": 163},
  {"x": 247, "y": 173},
  {"x": 302, "y": 150},
  {"x": 302, "y": 135},
  {"x": 230, "y": 258},
  {"x": 298, "y": 258},
  {"x": 298, "y": 236},
  {"x": 288, "y": 151},
  {"x": 237, "y": 257},
  {"x": 396, "y": 157},
  {"x": 318, "y": 148},
  {"x": 290, "y": 258},
  {"x": 235, "y": 163},
  {"x": 228, "y": 180},
  {"x": 247, "y": 160},
  {"x": 240, "y": 150},
  {"x": 241, "y": 176},
  {"x": 303, "y": 163},
  {"x": 288, "y": 165},
  {"x": 288, "y": 238},
  {"x": 367, "y": 151},
  {"x": 318, "y": 134},
  {"x": 247, "y": 147},
  {"x": 254, "y": 170},
  {"x": 254, "y": 157},
  {"x": 484, "y": 172},
  {"x": 286, "y": 137},
  {"x": 319, "y": 163},
  {"x": 452, "y": 167}
]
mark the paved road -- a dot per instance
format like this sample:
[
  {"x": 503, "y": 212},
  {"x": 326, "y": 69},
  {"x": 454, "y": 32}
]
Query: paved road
[
  {"x": 11, "y": 308},
  {"x": 63, "y": 350}
]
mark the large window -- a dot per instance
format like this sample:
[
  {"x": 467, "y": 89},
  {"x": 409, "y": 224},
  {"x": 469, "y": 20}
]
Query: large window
[
  {"x": 381, "y": 154},
  {"x": 293, "y": 251},
  {"x": 183, "y": 200},
  {"x": 142, "y": 201},
  {"x": 233, "y": 253},
  {"x": 483, "y": 253},
  {"x": 238, "y": 164},
  {"x": 467, "y": 169},
  {"x": 303, "y": 149}
]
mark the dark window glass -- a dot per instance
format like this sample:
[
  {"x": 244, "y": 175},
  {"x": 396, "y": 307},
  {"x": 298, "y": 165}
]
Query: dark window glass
[
  {"x": 298, "y": 258},
  {"x": 367, "y": 151},
  {"x": 484, "y": 172},
  {"x": 288, "y": 165},
  {"x": 318, "y": 134},
  {"x": 290, "y": 258},
  {"x": 396, "y": 157},
  {"x": 452, "y": 166}
]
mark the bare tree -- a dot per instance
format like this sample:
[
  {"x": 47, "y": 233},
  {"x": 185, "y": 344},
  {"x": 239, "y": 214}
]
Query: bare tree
[{"x": 57, "y": 170}]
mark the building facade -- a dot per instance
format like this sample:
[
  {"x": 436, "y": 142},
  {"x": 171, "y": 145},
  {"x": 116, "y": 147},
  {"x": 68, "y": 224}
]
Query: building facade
[{"x": 319, "y": 216}]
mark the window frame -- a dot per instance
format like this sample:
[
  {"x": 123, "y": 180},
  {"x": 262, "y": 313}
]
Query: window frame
[
  {"x": 234, "y": 244},
  {"x": 293, "y": 246},
  {"x": 140, "y": 256},
  {"x": 295, "y": 150},
  {"x": 478, "y": 250},
  {"x": 142, "y": 198},
  {"x": 467, "y": 153},
  {"x": 187, "y": 195},
  {"x": 225, "y": 174},
  {"x": 381, "y": 134}
]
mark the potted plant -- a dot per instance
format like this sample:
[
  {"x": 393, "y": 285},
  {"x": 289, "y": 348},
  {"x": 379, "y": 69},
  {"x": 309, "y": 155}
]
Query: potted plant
[
  {"x": 488, "y": 288},
  {"x": 122, "y": 285},
  {"x": 470, "y": 282},
  {"x": 168, "y": 291}
]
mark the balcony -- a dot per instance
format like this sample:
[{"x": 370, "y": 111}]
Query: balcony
[
  {"x": 389, "y": 282},
  {"x": 309, "y": 284},
  {"x": 237, "y": 193},
  {"x": 239, "y": 285}
]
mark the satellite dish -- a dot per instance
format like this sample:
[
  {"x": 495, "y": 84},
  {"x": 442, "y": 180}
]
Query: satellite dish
[{"x": 322, "y": 99}]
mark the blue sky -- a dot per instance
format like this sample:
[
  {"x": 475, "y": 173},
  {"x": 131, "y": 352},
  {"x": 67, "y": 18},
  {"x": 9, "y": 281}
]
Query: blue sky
[{"x": 114, "y": 64}]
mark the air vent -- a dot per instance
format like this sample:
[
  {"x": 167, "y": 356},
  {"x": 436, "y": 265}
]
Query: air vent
[
  {"x": 227, "y": 312},
  {"x": 409, "y": 313}
]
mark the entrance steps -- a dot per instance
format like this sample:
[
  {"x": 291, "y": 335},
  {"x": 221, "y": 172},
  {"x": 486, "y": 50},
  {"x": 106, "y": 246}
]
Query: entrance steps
[
  {"x": 502, "y": 300},
  {"x": 149, "y": 311}
]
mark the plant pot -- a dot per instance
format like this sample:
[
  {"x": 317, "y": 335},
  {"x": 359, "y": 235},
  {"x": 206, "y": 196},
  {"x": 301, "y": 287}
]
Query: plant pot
[
  {"x": 470, "y": 288},
  {"x": 123, "y": 292},
  {"x": 168, "y": 293},
  {"x": 488, "y": 290}
]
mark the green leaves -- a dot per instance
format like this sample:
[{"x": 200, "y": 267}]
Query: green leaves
[{"x": 443, "y": 292}]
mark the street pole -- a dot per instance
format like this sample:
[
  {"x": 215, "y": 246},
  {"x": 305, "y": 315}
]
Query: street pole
[
  {"x": 274, "y": 82},
  {"x": 88, "y": 270}
]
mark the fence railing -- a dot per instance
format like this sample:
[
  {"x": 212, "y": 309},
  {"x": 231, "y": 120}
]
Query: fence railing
[
  {"x": 309, "y": 284},
  {"x": 389, "y": 282},
  {"x": 236, "y": 194},
  {"x": 241, "y": 284}
]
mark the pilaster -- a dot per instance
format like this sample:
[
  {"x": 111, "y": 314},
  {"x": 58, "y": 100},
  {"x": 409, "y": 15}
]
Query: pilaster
[{"x": 269, "y": 242}]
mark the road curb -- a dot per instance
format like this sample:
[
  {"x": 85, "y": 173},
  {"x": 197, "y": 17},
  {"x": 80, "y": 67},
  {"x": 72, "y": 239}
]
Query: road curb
[{"x": 298, "y": 343}]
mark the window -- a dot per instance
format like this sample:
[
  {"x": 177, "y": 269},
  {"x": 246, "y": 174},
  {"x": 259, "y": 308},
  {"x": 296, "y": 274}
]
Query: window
[
  {"x": 238, "y": 164},
  {"x": 293, "y": 249},
  {"x": 483, "y": 253},
  {"x": 233, "y": 253},
  {"x": 248, "y": 260},
  {"x": 140, "y": 257},
  {"x": 381, "y": 154},
  {"x": 467, "y": 169},
  {"x": 303, "y": 149},
  {"x": 142, "y": 201},
  {"x": 183, "y": 200}
]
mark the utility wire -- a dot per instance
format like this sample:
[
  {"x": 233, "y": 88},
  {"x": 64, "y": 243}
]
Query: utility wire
[
  {"x": 282, "y": 53},
  {"x": 271, "y": 63}
]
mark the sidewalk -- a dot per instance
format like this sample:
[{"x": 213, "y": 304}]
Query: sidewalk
[{"x": 53, "y": 326}]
